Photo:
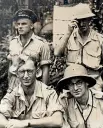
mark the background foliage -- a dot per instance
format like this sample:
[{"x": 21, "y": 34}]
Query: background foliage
[{"x": 42, "y": 8}]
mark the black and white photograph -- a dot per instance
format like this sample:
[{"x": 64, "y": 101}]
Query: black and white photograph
[{"x": 51, "y": 63}]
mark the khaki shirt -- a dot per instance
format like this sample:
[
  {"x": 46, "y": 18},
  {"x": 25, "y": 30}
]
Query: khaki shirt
[
  {"x": 72, "y": 116},
  {"x": 88, "y": 53},
  {"x": 44, "y": 102},
  {"x": 36, "y": 48}
]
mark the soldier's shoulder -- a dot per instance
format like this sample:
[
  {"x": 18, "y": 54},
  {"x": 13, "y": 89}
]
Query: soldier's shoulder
[
  {"x": 13, "y": 41},
  {"x": 96, "y": 33},
  {"x": 97, "y": 94},
  {"x": 41, "y": 39},
  {"x": 15, "y": 90},
  {"x": 15, "y": 38},
  {"x": 47, "y": 90},
  {"x": 100, "y": 35}
]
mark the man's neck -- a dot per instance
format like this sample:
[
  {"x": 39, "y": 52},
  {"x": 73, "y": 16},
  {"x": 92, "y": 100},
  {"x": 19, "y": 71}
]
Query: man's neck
[
  {"x": 83, "y": 100},
  {"x": 24, "y": 38}
]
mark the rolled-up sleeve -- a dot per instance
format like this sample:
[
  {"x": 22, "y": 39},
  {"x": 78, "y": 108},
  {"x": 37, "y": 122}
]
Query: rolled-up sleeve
[
  {"x": 45, "y": 54},
  {"x": 6, "y": 105}
]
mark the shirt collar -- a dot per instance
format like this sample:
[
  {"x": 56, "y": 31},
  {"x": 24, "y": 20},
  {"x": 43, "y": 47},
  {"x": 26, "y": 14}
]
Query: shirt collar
[
  {"x": 37, "y": 91},
  {"x": 31, "y": 38},
  {"x": 92, "y": 34},
  {"x": 89, "y": 101}
]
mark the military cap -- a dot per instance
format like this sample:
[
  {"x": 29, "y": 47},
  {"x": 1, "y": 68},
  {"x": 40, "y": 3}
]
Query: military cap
[
  {"x": 75, "y": 71},
  {"x": 82, "y": 10},
  {"x": 25, "y": 13}
]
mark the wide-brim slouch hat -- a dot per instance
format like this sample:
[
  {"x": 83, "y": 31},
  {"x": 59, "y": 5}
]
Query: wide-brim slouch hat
[
  {"x": 82, "y": 11},
  {"x": 75, "y": 71}
]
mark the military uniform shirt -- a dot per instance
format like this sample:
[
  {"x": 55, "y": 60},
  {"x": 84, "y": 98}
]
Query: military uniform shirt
[
  {"x": 44, "y": 102},
  {"x": 35, "y": 47},
  {"x": 88, "y": 53},
  {"x": 72, "y": 116}
]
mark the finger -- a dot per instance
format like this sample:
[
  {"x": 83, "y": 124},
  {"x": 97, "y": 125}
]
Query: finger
[
  {"x": 73, "y": 23},
  {"x": 9, "y": 126}
]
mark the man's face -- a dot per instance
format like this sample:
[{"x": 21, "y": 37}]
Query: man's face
[
  {"x": 24, "y": 26},
  {"x": 27, "y": 74},
  {"x": 77, "y": 87},
  {"x": 83, "y": 24}
]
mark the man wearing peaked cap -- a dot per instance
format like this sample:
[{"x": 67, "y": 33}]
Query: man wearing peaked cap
[
  {"x": 25, "y": 13},
  {"x": 83, "y": 109},
  {"x": 83, "y": 44},
  {"x": 26, "y": 45}
]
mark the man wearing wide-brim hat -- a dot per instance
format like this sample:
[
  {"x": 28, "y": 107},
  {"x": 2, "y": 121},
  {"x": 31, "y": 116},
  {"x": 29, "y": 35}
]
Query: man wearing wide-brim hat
[
  {"x": 28, "y": 45},
  {"x": 82, "y": 109},
  {"x": 82, "y": 44}
]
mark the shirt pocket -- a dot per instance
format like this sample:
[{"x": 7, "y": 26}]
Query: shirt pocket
[
  {"x": 31, "y": 53},
  {"x": 39, "y": 114},
  {"x": 19, "y": 110},
  {"x": 92, "y": 55},
  {"x": 39, "y": 109}
]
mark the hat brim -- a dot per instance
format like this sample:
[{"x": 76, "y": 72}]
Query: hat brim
[
  {"x": 62, "y": 84},
  {"x": 85, "y": 16}
]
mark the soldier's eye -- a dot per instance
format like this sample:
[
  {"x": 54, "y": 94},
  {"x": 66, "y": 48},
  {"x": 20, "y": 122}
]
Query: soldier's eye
[
  {"x": 21, "y": 72},
  {"x": 18, "y": 23},
  {"x": 24, "y": 23}
]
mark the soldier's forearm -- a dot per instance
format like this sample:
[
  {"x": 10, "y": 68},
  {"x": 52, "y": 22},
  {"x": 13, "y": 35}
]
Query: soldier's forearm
[
  {"x": 60, "y": 46},
  {"x": 52, "y": 121},
  {"x": 3, "y": 121}
]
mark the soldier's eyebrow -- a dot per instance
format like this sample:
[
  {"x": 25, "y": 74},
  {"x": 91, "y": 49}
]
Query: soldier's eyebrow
[{"x": 23, "y": 23}]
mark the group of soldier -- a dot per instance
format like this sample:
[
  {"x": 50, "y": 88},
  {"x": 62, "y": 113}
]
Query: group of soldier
[{"x": 29, "y": 102}]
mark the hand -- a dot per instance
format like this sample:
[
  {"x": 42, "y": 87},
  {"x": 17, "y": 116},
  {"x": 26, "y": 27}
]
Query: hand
[
  {"x": 72, "y": 24},
  {"x": 13, "y": 123}
]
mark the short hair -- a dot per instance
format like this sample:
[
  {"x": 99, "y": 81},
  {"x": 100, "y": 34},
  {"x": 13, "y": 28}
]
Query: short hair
[{"x": 22, "y": 62}]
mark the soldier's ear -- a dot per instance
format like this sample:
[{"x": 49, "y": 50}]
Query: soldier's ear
[
  {"x": 87, "y": 84},
  {"x": 32, "y": 26}
]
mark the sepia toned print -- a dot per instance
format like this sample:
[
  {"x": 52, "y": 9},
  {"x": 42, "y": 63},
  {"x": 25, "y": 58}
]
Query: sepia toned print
[{"x": 51, "y": 63}]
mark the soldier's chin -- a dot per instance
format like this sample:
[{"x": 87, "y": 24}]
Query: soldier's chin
[
  {"x": 21, "y": 33},
  {"x": 84, "y": 29},
  {"x": 77, "y": 95},
  {"x": 27, "y": 84}
]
